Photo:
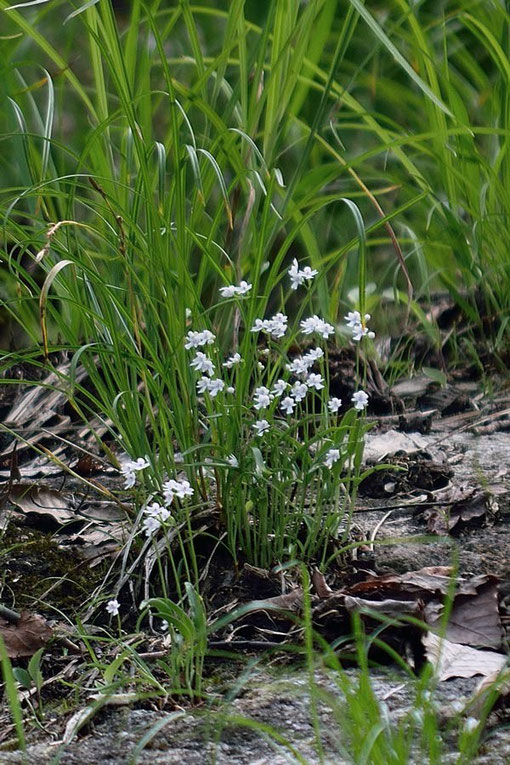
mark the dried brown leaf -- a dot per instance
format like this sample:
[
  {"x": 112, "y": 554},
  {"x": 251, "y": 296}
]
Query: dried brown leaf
[
  {"x": 456, "y": 660},
  {"x": 474, "y": 619},
  {"x": 33, "y": 498},
  {"x": 23, "y": 638}
]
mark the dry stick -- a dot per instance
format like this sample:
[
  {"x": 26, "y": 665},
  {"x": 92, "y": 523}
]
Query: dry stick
[{"x": 487, "y": 418}]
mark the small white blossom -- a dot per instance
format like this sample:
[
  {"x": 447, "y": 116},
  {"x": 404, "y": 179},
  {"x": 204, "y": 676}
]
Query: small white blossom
[
  {"x": 360, "y": 399},
  {"x": 276, "y": 326},
  {"x": 299, "y": 366},
  {"x": 130, "y": 468},
  {"x": 212, "y": 386},
  {"x": 287, "y": 405},
  {"x": 299, "y": 276},
  {"x": 354, "y": 317},
  {"x": 358, "y": 326},
  {"x": 203, "y": 384},
  {"x": 232, "y": 361},
  {"x": 202, "y": 363},
  {"x": 231, "y": 290},
  {"x": 299, "y": 391},
  {"x": 181, "y": 489},
  {"x": 471, "y": 724},
  {"x": 233, "y": 461},
  {"x": 113, "y": 607},
  {"x": 260, "y": 427},
  {"x": 315, "y": 381},
  {"x": 280, "y": 387},
  {"x": 262, "y": 397},
  {"x": 228, "y": 292},
  {"x": 151, "y": 524},
  {"x": 230, "y": 389},
  {"x": 178, "y": 458},
  {"x": 215, "y": 386},
  {"x": 334, "y": 404},
  {"x": 332, "y": 456},
  {"x": 198, "y": 339},
  {"x": 318, "y": 325},
  {"x": 155, "y": 510},
  {"x": 314, "y": 354}
]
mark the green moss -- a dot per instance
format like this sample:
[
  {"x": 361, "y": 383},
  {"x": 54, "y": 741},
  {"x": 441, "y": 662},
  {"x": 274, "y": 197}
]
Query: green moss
[{"x": 33, "y": 566}]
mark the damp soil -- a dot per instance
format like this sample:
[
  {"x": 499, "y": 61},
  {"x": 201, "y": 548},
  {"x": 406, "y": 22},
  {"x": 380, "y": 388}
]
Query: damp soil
[{"x": 462, "y": 445}]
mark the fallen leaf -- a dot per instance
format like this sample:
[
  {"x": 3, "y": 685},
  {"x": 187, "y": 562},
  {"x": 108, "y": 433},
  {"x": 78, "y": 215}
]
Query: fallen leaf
[
  {"x": 457, "y": 660},
  {"x": 41, "y": 500},
  {"x": 24, "y": 637},
  {"x": 474, "y": 619}
]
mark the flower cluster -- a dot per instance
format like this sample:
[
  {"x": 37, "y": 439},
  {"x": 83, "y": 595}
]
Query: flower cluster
[
  {"x": 316, "y": 325},
  {"x": 276, "y": 326},
  {"x": 155, "y": 513},
  {"x": 198, "y": 339},
  {"x": 232, "y": 290},
  {"x": 299, "y": 276},
  {"x": 130, "y": 468},
  {"x": 358, "y": 326}
]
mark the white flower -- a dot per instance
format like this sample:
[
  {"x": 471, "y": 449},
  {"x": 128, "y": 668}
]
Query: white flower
[
  {"x": 261, "y": 397},
  {"x": 178, "y": 458},
  {"x": 288, "y": 405},
  {"x": 233, "y": 461},
  {"x": 470, "y": 724},
  {"x": 203, "y": 384},
  {"x": 151, "y": 524},
  {"x": 129, "y": 469},
  {"x": 299, "y": 366},
  {"x": 259, "y": 326},
  {"x": 197, "y": 339},
  {"x": 315, "y": 324},
  {"x": 331, "y": 457},
  {"x": 315, "y": 381},
  {"x": 244, "y": 288},
  {"x": 260, "y": 427},
  {"x": 181, "y": 489},
  {"x": 157, "y": 511},
  {"x": 231, "y": 290},
  {"x": 215, "y": 386},
  {"x": 354, "y": 317},
  {"x": 231, "y": 389},
  {"x": 276, "y": 326},
  {"x": 358, "y": 326},
  {"x": 334, "y": 404},
  {"x": 202, "y": 363},
  {"x": 113, "y": 607},
  {"x": 279, "y": 387},
  {"x": 299, "y": 391},
  {"x": 228, "y": 292},
  {"x": 298, "y": 277},
  {"x": 360, "y": 399},
  {"x": 314, "y": 354},
  {"x": 232, "y": 361}
]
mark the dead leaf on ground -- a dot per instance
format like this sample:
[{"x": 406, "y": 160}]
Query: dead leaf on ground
[
  {"x": 43, "y": 501},
  {"x": 460, "y": 505},
  {"x": 474, "y": 619},
  {"x": 457, "y": 660},
  {"x": 23, "y": 638}
]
